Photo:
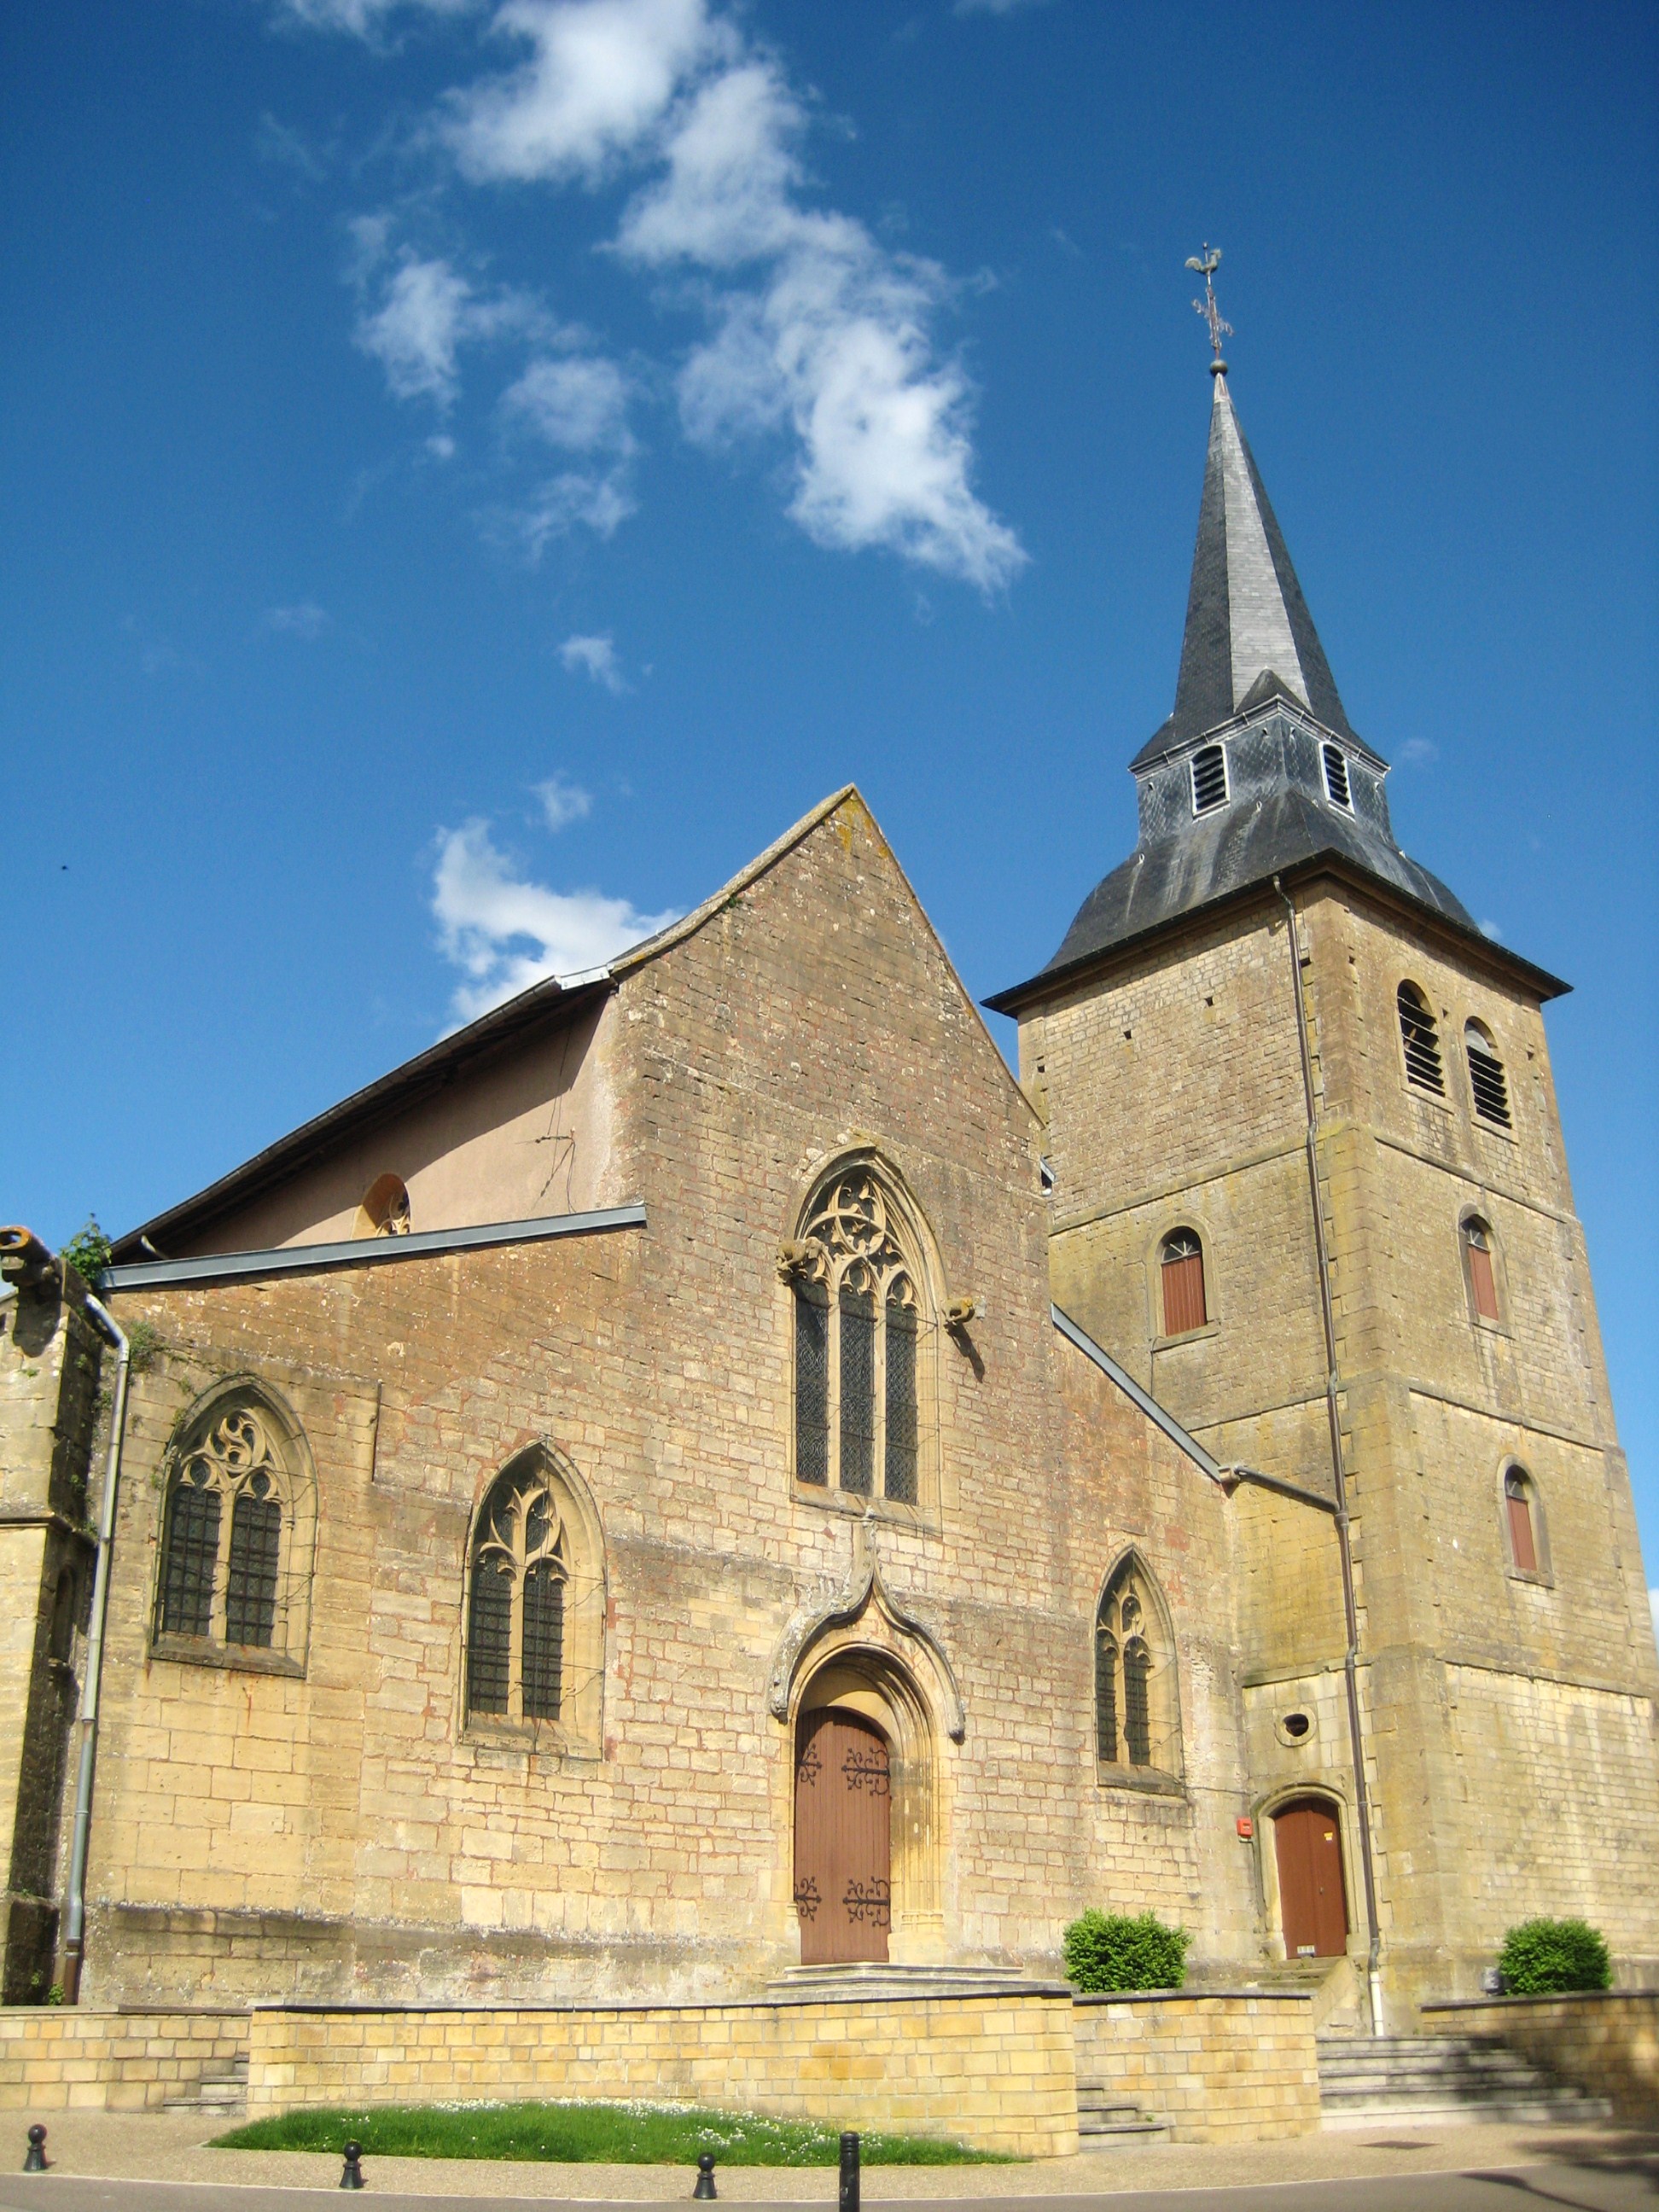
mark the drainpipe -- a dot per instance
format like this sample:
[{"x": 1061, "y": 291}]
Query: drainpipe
[
  {"x": 1332, "y": 1385},
  {"x": 75, "y": 1914}
]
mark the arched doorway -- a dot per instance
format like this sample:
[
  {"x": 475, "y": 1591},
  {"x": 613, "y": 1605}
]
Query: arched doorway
[
  {"x": 843, "y": 1837},
  {"x": 1312, "y": 1895}
]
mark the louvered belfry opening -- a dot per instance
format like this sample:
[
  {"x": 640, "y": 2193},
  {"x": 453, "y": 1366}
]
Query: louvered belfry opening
[
  {"x": 1518, "y": 1503},
  {"x": 1487, "y": 1081},
  {"x": 857, "y": 1329},
  {"x": 1421, "y": 1040},
  {"x": 1209, "y": 778},
  {"x": 1336, "y": 775},
  {"x": 1181, "y": 1271},
  {"x": 1483, "y": 1284}
]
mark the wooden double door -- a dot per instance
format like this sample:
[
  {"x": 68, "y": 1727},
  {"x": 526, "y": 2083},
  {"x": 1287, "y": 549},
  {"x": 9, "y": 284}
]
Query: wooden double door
[
  {"x": 843, "y": 1838},
  {"x": 1312, "y": 1897}
]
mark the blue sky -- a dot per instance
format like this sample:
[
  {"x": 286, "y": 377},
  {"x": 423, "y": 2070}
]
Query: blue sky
[{"x": 477, "y": 473}]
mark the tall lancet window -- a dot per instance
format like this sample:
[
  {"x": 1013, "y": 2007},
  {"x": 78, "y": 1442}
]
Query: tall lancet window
[
  {"x": 1136, "y": 1693},
  {"x": 859, "y": 1332}
]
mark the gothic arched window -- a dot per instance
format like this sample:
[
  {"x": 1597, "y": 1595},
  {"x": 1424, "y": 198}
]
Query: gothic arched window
[
  {"x": 1523, "y": 1526},
  {"x": 1420, "y": 1039},
  {"x": 859, "y": 1311},
  {"x": 1137, "y": 1697},
  {"x": 1180, "y": 1273},
  {"x": 1479, "y": 1274},
  {"x": 535, "y": 1603},
  {"x": 236, "y": 1533}
]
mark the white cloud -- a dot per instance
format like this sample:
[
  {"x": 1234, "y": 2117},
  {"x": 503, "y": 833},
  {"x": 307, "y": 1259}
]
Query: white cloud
[
  {"x": 601, "y": 75},
  {"x": 1492, "y": 929},
  {"x": 305, "y": 620},
  {"x": 417, "y": 331},
  {"x": 365, "y": 18},
  {"x": 580, "y": 402},
  {"x": 1419, "y": 749},
  {"x": 505, "y": 934},
  {"x": 597, "y": 657},
  {"x": 564, "y": 803},
  {"x": 596, "y": 500}
]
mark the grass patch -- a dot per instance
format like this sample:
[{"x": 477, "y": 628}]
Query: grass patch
[{"x": 634, "y": 2134}]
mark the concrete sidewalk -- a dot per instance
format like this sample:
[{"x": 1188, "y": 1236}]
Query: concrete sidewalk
[{"x": 173, "y": 2147}]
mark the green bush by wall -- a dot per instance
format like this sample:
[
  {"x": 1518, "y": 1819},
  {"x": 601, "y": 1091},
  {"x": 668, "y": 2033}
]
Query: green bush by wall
[
  {"x": 1113, "y": 1951},
  {"x": 1544, "y": 1957}
]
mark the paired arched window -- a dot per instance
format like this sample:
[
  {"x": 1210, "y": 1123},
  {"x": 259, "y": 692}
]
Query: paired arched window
[
  {"x": 1488, "y": 1085},
  {"x": 536, "y": 1604},
  {"x": 1137, "y": 1702},
  {"x": 236, "y": 1530},
  {"x": 1181, "y": 1282},
  {"x": 1522, "y": 1523},
  {"x": 1421, "y": 1041},
  {"x": 859, "y": 1316},
  {"x": 1478, "y": 1267}
]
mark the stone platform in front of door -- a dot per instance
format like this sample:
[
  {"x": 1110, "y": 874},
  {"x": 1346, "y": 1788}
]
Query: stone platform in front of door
[{"x": 991, "y": 2060}]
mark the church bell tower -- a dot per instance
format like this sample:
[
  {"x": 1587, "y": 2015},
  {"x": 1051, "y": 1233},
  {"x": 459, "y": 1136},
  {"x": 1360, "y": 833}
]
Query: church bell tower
[{"x": 1309, "y": 1188}]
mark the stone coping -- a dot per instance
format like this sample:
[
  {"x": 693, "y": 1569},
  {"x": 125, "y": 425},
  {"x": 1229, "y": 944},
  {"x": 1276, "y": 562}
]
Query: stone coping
[
  {"x": 1189, "y": 1996},
  {"x": 968, "y": 1990},
  {"x": 1538, "y": 1996}
]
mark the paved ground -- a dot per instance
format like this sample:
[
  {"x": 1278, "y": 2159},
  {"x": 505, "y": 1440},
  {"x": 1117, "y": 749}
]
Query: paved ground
[{"x": 161, "y": 2162}]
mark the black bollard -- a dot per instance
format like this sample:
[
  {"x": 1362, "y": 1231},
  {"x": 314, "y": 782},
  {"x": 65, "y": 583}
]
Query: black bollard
[
  {"x": 849, "y": 2172},
  {"x": 353, "y": 2176},
  {"x": 36, "y": 2161},
  {"x": 705, "y": 2188}
]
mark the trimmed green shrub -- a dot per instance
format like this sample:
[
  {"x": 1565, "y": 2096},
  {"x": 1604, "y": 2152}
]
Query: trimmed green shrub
[
  {"x": 1112, "y": 1951},
  {"x": 1542, "y": 1958}
]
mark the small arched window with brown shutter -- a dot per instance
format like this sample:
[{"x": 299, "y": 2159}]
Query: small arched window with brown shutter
[
  {"x": 1180, "y": 1268},
  {"x": 1477, "y": 1261},
  {"x": 1518, "y": 1511}
]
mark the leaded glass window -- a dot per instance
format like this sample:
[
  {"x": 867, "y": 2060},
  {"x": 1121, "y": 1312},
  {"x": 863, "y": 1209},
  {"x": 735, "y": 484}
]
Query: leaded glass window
[
  {"x": 227, "y": 1534},
  {"x": 1105, "y": 1693},
  {"x": 515, "y": 1666},
  {"x": 858, "y": 1338},
  {"x": 1137, "y": 1704}
]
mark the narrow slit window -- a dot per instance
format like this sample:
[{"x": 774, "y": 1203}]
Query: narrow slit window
[
  {"x": 858, "y": 1391},
  {"x": 1518, "y": 1503},
  {"x": 812, "y": 1383},
  {"x": 192, "y": 1555},
  {"x": 255, "y": 1539},
  {"x": 1421, "y": 1040},
  {"x": 1209, "y": 769},
  {"x": 1483, "y": 1283},
  {"x": 1106, "y": 1694},
  {"x": 1137, "y": 1702},
  {"x": 1336, "y": 776},
  {"x": 1487, "y": 1080},
  {"x": 1182, "y": 1272},
  {"x": 900, "y": 1474},
  {"x": 489, "y": 1640},
  {"x": 543, "y": 1641}
]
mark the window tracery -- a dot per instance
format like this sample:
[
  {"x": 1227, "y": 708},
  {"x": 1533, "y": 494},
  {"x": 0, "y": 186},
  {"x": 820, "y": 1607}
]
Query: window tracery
[
  {"x": 231, "y": 1547},
  {"x": 535, "y": 1620},
  {"x": 1137, "y": 1699},
  {"x": 858, "y": 1317}
]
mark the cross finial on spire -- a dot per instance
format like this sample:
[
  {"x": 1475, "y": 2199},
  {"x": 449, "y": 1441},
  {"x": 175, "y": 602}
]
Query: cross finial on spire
[{"x": 1207, "y": 263}]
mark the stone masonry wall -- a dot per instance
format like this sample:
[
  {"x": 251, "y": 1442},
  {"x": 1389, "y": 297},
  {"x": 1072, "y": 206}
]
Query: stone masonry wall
[
  {"x": 1606, "y": 2042},
  {"x": 1231, "y": 2067},
  {"x": 55, "y": 2059},
  {"x": 996, "y": 2072}
]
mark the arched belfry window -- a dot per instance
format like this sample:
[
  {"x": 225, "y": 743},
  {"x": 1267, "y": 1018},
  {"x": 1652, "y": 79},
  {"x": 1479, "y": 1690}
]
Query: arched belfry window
[
  {"x": 237, "y": 1527},
  {"x": 862, "y": 1325},
  {"x": 1479, "y": 1271},
  {"x": 1137, "y": 1693},
  {"x": 535, "y": 1604},
  {"x": 1421, "y": 1041},
  {"x": 1181, "y": 1282},
  {"x": 1488, "y": 1085},
  {"x": 1523, "y": 1524}
]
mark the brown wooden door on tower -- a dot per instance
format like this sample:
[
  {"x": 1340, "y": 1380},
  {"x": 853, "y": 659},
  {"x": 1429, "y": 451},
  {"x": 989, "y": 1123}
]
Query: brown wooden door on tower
[
  {"x": 843, "y": 1838},
  {"x": 1309, "y": 1845}
]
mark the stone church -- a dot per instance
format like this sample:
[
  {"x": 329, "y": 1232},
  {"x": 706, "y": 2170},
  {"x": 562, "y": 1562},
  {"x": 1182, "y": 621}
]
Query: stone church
[{"x": 701, "y": 1477}]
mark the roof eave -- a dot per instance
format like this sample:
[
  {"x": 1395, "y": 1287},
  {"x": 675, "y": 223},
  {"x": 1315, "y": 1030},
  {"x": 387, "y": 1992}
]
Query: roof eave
[
  {"x": 1049, "y": 982},
  {"x": 428, "y": 1071}
]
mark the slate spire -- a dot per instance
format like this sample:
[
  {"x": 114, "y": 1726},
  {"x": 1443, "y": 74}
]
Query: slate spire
[{"x": 1249, "y": 632}]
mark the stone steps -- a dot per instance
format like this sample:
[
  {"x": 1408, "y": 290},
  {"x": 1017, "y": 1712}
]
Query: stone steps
[
  {"x": 1365, "y": 2079},
  {"x": 221, "y": 2089},
  {"x": 1105, "y": 2122}
]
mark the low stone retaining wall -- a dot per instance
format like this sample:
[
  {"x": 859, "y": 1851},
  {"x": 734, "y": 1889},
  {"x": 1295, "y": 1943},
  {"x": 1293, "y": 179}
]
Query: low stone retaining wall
[
  {"x": 1603, "y": 2041},
  {"x": 1224, "y": 2066},
  {"x": 55, "y": 2059},
  {"x": 996, "y": 2071}
]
